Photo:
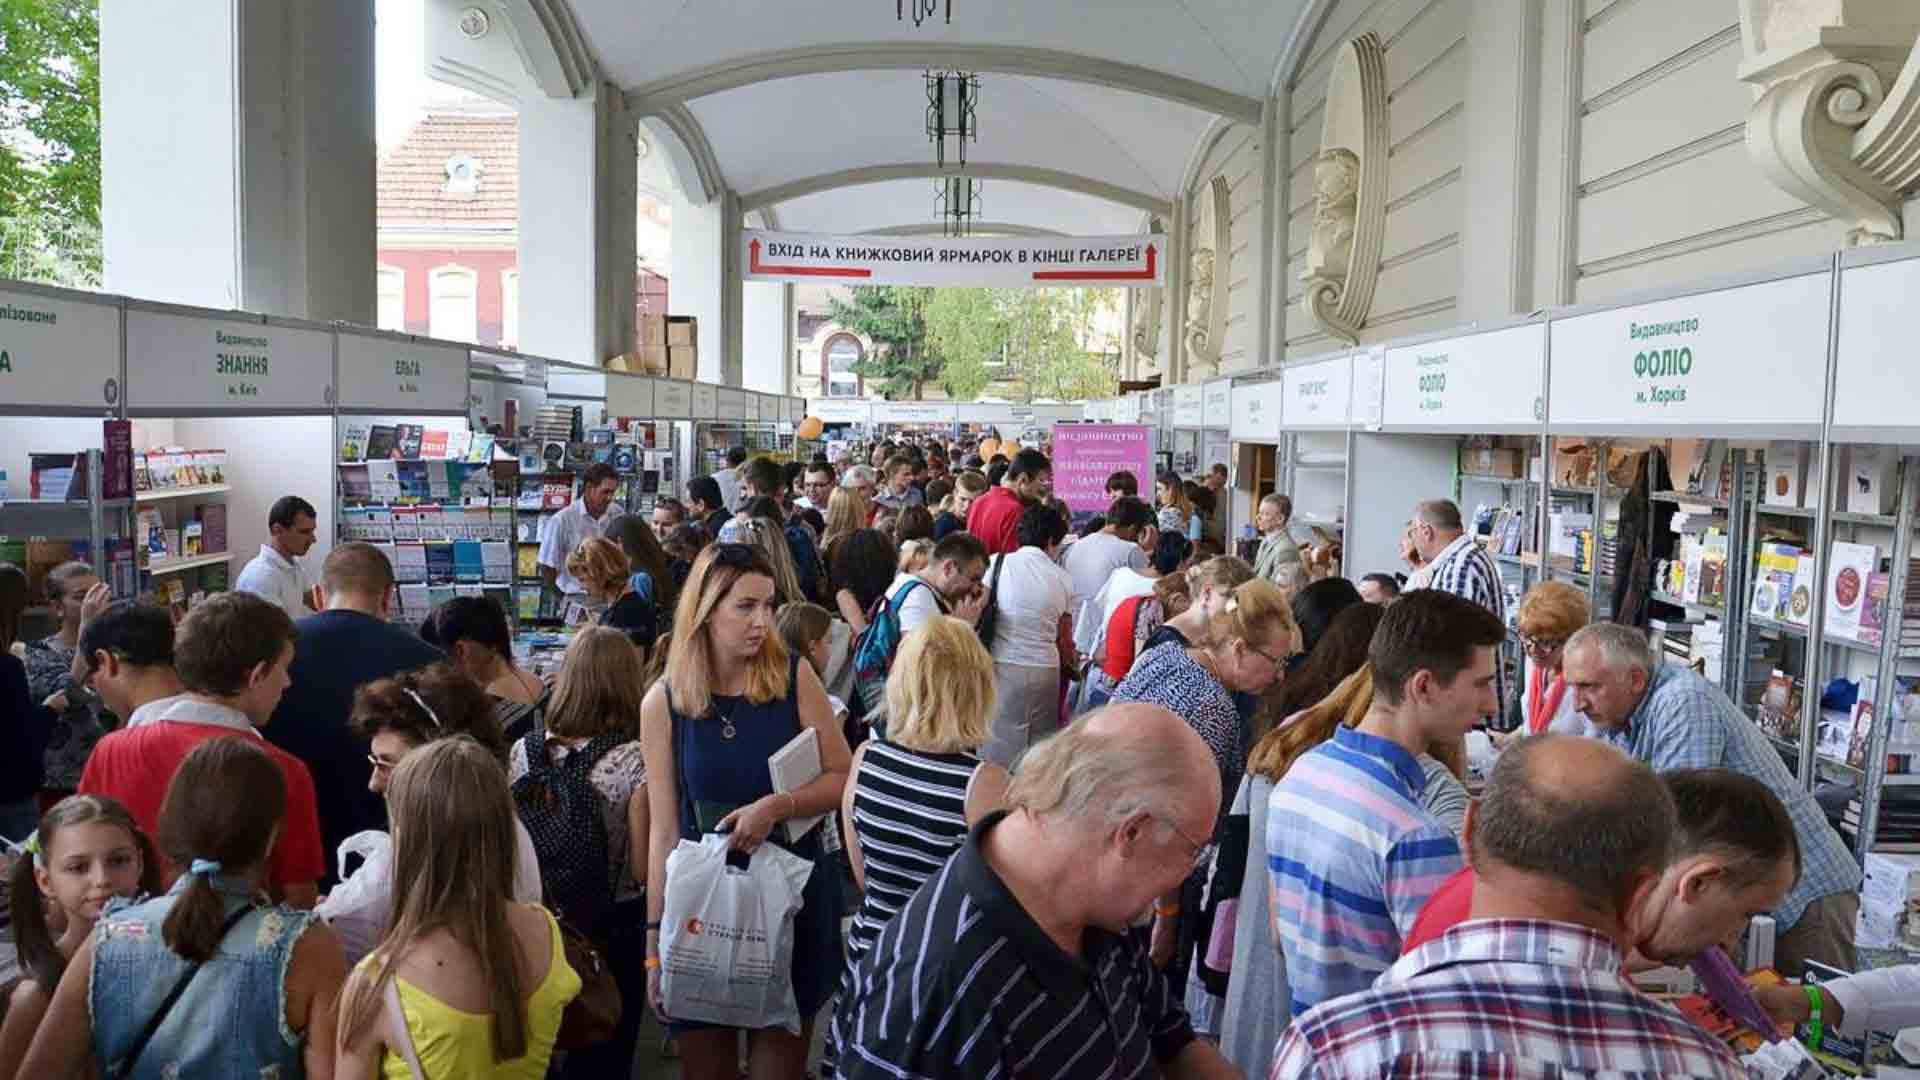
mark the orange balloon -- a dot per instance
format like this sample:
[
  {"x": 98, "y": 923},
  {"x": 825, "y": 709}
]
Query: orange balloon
[
  {"x": 988, "y": 448},
  {"x": 810, "y": 428}
]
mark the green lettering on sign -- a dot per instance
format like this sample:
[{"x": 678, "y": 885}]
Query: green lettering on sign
[
  {"x": 403, "y": 366},
  {"x": 6, "y": 361},
  {"x": 1671, "y": 362}
]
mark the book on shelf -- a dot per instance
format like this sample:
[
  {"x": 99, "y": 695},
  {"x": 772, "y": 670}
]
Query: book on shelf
[
  {"x": 479, "y": 448},
  {"x": 1780, "y": 702},
  {"x": 410, "y": 563},
  {"x": 527, "y": 561},
  {"x": 1873, "y": 612},
  {"x": 414, "y": 604},
  {"x": 1848, "y": 567},
  {"x": 469, "y": 567},
  {"x": 406, "y": 440},
  {"x": 381, "y": 441},
  {"x": 353, "y": 440},
  {"x": 433, "y": 445},
  {"x": 496, "y": 560},
  {"x": 440, "y": 566},
  {"x": 383, "y": 480}
]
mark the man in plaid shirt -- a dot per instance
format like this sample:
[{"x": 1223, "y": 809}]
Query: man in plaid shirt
[
  {"x": 1453, "y": 561},
  {"x": 1569, "y": 844}
]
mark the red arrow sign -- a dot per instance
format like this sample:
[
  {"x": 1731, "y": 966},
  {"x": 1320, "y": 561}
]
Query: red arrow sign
[
  {"x": 1102, "y": 275},
  {"x": 756, "y": 267}
]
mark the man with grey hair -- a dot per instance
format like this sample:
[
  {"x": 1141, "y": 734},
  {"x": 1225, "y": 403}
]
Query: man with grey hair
[
  {"x": 1452, "y": 561},
  {"x": 1278, "y": 551},
  {"x": 1015, "y": 959},
  {"x": 1671, "y": 718},
  {"x": 1572, "y": 840},
  {"x": 861, "y": 480}
]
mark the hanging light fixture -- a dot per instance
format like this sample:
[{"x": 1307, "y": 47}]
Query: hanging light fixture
[
  {"x": 953, "y": 99},
  {"x": 921, "y": 10},
  {"x": 957, "y": 197}
]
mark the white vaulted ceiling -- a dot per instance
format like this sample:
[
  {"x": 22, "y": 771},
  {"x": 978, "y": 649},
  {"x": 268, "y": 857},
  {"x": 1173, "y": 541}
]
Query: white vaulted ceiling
[{"x": 815, "y": 109}]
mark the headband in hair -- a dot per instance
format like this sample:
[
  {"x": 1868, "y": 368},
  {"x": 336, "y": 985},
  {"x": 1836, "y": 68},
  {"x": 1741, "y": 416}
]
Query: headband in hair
[{"x": 424, "y": 707}]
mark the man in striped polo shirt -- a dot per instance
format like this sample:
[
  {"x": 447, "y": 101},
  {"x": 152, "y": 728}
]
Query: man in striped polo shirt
[
  {"x": 1352, "y": 856},
  {"x": 1015, "y": 960}
]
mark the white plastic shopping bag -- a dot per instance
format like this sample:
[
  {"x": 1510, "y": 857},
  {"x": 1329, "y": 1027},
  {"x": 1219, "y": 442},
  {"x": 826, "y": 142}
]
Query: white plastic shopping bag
[
  {"x": 358, "y": 908},
  {"x": 726, "y": 935}
]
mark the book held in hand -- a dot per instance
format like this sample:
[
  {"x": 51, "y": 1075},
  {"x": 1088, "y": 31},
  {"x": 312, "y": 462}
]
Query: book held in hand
[{"x": 793, "y": 767}]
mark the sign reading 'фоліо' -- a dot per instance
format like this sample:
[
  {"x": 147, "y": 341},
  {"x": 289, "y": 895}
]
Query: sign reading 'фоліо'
[
  {"x": 1751, "y": 358},
  {"x": 999, "y": 262}
]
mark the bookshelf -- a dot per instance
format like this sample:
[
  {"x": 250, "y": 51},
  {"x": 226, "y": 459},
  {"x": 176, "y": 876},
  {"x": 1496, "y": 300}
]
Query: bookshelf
[
  {"x": 37, "y": 534},
  {"x": 1502, "y": 511}
]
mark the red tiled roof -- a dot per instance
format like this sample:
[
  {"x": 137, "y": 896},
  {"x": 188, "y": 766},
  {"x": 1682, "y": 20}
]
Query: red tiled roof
[{"x": 412, "y": 184}]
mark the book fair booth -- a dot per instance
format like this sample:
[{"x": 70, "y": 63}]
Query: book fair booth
[{"x": 150, "y": 441}]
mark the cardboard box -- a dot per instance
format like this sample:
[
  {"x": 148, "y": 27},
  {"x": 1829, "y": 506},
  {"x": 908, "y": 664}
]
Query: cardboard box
[
  {"x": 1786, "y": 474},
  {"x": 1872, "y": 479},
  {"x": 651, "y": 330},
  {"x": 1504, "y": 464},
  {"x": 682, "y": 361},
  {"x": 651, "y": 360},
  {"x": 682, "y": 330}
]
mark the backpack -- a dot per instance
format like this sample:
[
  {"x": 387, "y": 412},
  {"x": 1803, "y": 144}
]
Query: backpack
[
  {"x": 561, "y": 810},
  {"x": 873, "y": 651}
]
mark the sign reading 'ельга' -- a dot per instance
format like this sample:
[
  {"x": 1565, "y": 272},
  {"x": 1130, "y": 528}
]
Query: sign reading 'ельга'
[{"x": 986, "y": 261}]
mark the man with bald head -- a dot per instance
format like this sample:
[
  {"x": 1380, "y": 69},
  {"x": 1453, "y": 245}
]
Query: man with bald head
[
  {"x": 1671, "y": 718},
  {"x": 1014, "y": 960},
  {"x": 1572, "y": 840}
]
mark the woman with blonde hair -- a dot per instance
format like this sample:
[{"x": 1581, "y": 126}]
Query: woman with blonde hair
[
  {"x": 847, "y": 513},
  {"x": 767, "y": 539},
  {"x": 603, "y": 570},
  {"x": 732, "y": 696},
  {"x": 1549, "y": 614},
  {"x": 590, "y": 738},
  {"x": 1210, "y": 584},
  {"x": 467, "y": 982}
]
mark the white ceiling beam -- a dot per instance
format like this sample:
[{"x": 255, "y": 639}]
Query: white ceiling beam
[
  {"x": 1025, "y": 174},
  {"x": 690, "y": 156},
  {"x": 1007, "y": 59},
  {"x": 978, "y": 228}
]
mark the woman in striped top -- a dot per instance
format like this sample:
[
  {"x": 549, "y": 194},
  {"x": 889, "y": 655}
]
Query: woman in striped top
[{"x": 915, "y": 793}]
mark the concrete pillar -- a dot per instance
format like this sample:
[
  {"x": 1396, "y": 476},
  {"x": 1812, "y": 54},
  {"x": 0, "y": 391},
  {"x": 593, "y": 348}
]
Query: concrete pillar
[
  {"x": 1498, "y": 170},
  {"x": 695, "y": 272},
  {"x": 237, "y": 154},
  {"x": 764, "y": 349},
  {"x": 578, "y": 184}
]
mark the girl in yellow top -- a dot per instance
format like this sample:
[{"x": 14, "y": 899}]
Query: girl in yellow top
[{"x": 481, "y": 981}]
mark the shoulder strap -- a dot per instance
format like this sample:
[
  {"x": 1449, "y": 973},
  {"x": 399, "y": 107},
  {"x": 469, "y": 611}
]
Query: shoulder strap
[
  {"x": 173, "y": 997},
  {"x": 399, "y": 1039}
]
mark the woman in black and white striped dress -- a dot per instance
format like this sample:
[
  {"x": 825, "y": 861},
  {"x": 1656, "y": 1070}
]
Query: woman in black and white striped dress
[{"x": 914, "y": 794}]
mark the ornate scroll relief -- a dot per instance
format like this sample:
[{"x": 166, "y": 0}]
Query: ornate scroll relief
[
  {"x": 1146, "y": 315},
  {"x": 1349, "y": 193},
  {"x": 1207, "y": 297},
  {"x": 1836, "y": 115}
]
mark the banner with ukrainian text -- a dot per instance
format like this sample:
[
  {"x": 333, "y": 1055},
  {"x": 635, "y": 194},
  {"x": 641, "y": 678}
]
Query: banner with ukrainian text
[{"x": 975, "y": 261}]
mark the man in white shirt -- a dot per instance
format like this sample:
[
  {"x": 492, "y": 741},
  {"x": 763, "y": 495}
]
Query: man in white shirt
[
  {"x": 729, "y": 478},
  {"x": 817, "y": 483},
  {"x": 274, "y": 575},
  {"x": 583, "y": 519},
  {"x": 952, "y": 579},
  {"x": 1090, "y": 560},
  {"x": 1030, "y": 594}
]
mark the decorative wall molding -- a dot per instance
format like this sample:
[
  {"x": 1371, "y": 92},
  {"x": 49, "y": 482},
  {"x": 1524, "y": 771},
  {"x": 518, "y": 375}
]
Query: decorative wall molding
[
  {"x": 1208, "y": 295},
  {"x": 1145, "y": 328},
  {"x": 1836, "y": 121},
  {"x": 1349, "y": 193}
]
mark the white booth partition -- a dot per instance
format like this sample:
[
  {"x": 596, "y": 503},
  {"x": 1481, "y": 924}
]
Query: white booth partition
[
  {"x": 1317, "y": 416},
  {"x": 206, "y": 381}
]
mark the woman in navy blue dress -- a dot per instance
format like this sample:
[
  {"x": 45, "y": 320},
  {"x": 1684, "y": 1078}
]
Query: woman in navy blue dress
[{"x": 731, "y": 696}]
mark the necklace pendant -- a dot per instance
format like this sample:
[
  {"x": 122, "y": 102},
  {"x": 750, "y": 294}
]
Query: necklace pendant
[{"x": 726, "y": 728}]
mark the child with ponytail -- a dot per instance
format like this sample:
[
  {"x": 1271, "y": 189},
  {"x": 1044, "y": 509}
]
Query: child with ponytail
[
  {"x": 206, "y": 980},
  {"x": 87, "y": 851}
]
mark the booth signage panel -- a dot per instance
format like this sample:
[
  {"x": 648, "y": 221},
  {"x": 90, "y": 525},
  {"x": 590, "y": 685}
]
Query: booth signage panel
[
  {"x": 1318, "y": 395},
  {"x": 733, "y": 405},
  {"x": 577, "y": 382},
  {"x": 630, "y": 397},
  {"x": 672, "y": 400},
  {"x": 706, "y": 401},
  {"x": 1876, "y": 383},
  {"x": 1483, "y": 382},
  {"x": 915, "y": 412},
  {"x": 841, "y": 412},
  {"x": 1747, "y": 359},
  {"x": 1084, "y": 455},
  {"x": 992, "y": 261},
  {"x": 1189, "y": 406},
  {"x": 1126, "y": 409},
  {"x": 401, "y": 376},
  {"x": 1256, "y": 412},
  {"x": 796, "y": 409},
  {"x": 1216, "y": 409},
  {"x": 197, "y": 363},
  {"x": 1094, "y": 411},
  {"x": 57, "y": 353}
]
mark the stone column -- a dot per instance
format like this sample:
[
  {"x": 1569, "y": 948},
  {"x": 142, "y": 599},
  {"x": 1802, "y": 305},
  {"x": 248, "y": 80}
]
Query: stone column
[
  {"x": 237, "y": 154},
  {"x": 1496, "y": 239}
]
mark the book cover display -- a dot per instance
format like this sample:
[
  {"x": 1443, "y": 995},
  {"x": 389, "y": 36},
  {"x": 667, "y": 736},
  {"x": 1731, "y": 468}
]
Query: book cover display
[{"x": 1849, "y": 566}]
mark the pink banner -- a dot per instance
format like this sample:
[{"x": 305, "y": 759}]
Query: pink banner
[{"x": 1084, "y": 455}]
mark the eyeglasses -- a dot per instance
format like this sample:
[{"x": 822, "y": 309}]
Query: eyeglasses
[
  {"x": 380, "y": 764},
  {"x": 1540, "y": 646},
  {"x": 1200, "y": 849},
  {"x": 1276, "y": 661}
]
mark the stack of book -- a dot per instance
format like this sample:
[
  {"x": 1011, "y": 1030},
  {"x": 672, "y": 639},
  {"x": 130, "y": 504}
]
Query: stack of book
[{"x": 1898, "y": 829}]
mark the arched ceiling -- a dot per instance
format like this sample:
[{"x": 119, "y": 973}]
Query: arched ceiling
[{"x": 1088, "y": 113}]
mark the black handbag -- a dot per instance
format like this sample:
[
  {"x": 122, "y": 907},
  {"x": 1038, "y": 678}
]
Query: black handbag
[{"x": 989, "y": 622}]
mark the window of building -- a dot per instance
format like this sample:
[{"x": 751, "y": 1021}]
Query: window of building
[
  {"x": 391, "y": 288},
  {"x": 510, "y": 308},
  {"x": 453, "y": 311},
  {"x": 837, "y": 358}
]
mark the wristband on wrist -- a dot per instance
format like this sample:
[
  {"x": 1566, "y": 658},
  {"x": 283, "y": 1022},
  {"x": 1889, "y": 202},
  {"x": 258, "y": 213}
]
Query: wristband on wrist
[
  {"x": 652, "y": 963},
  {"x": 653, "y": 926},
  {"x": 1815, "y": 1030},
  {"x": 1170, "y": 911}
]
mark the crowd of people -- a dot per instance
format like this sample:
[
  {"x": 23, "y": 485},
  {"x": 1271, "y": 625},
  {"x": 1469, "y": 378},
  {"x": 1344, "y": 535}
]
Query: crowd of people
[{"x": 1098, "y": 796}]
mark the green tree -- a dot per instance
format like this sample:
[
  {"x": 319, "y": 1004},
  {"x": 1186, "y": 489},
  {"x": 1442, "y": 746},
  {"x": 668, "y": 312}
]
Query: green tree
[
  {"x": 969, "y": 330},
  {"x": 893, "y": 317},
  {"x": 50, "y": 139}
]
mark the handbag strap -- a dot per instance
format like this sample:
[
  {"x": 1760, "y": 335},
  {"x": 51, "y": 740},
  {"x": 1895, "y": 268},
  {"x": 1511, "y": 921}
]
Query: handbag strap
[
  {"x": 173, "y": 997},
  {"x": 400, "y": 1040}
]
